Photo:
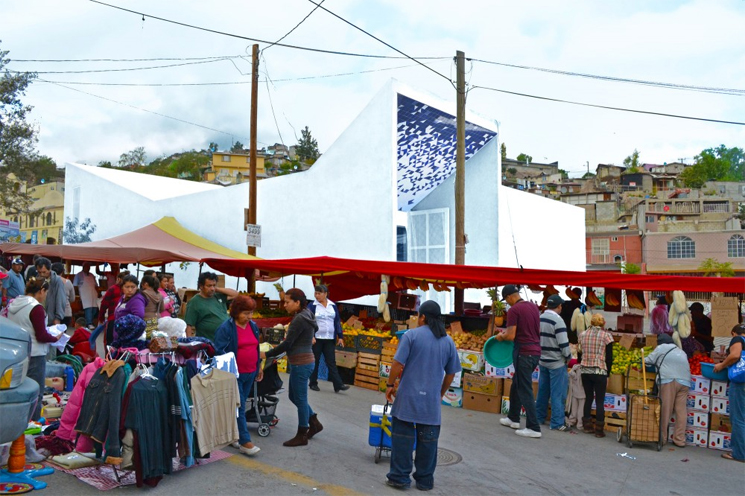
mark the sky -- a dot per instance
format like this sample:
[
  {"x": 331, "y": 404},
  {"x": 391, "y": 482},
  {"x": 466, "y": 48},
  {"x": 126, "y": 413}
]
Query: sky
[{"x": 697, "y": 42}]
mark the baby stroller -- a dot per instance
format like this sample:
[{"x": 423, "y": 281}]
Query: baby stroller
[{"x": 261, "y": 407}]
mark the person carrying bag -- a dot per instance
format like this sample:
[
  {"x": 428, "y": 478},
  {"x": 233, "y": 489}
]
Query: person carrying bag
[{"x": 735, "y": 361}]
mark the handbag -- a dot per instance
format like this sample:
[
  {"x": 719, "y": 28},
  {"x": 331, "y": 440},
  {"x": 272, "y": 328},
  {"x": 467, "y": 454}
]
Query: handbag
[{"x": 736, "y": 372}]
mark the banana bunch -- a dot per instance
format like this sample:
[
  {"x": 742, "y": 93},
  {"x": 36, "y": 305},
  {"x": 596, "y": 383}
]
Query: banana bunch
[
  {"x": 592, "y": 299},
  {"x": 634, "y": 301},
  {"x": 611, "y": 300},
  {"x": 680, "y": 317}
]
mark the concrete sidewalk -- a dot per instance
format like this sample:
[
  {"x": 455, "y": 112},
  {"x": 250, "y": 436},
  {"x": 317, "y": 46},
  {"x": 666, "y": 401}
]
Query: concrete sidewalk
[{"x": 494, "y": 461}]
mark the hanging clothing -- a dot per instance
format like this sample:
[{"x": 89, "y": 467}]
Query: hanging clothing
[
  {"x": 216, "y": 400},
  {"x": 147, "y": 417},
  {"x": 71, "y": 413}
]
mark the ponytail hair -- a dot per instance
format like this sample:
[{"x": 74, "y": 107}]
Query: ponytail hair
[{"x": 36, "y": 284}]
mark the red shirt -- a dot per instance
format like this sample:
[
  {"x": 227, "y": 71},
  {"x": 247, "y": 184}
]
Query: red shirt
[
  {"x": 526, "y": 316},
  {"x": 108, "y": 303},
  {"x": 248, "y": 349}
]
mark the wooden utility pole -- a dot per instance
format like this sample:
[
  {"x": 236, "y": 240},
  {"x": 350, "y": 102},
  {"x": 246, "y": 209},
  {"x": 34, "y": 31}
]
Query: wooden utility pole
[
  {"x": 252, "y": 153},
  {"x": 460, "y": 172}
]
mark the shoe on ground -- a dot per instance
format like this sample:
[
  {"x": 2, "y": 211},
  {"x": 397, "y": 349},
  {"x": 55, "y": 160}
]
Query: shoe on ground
[
  {"x": 528, "y": 433},
  {"x": 249, "y": 451},
  {"x": 509, "y": 423},
  {"x": 396, "y": 485},
  {"x": 423, "y": 488},
  {"x": 343, "y": 387},
  {"x": 563, "y": 428},
  {"x": 314, "y": 387},
  {"x": 236, "y": 445}
]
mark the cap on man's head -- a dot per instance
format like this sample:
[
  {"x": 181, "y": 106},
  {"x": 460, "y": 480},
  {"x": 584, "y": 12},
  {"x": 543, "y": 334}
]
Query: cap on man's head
[
  {"x": 664, "y": 339},
  {"x": 17, "y": 261},
  {"x": 554, "y": 301},
  {"x": 508, "y": 290}
]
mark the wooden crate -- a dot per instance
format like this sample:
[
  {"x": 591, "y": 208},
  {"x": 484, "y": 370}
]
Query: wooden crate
[
  {"x": 347, "y": 359},
  {"x": 367, "y": 379},
  {"x": 369, "y": 344},
  {"x": 389, "y": 350},
  {"x": 368, "y": 361}
]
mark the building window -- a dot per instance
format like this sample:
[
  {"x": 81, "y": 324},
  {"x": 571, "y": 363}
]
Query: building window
[
  {"x": 617, "y": 259},
  {"x": 600, "y": 246},
  {"x": 614, "y": 238},
  {"x": 650, "y": 219},
  {"x": 681, "y": 247},
  {"x": 226, "y": 158},
  {"x": 736, "y": 246},
  {"x": 49, "y": 218}
]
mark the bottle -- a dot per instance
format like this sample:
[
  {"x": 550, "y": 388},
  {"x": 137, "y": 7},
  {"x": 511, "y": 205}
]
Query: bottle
[{"x": 69, "y": 378}]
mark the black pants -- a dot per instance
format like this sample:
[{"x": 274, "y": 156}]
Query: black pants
[
  {"x": 595, "y": 385},
  {"x": 328, "y": 348}
]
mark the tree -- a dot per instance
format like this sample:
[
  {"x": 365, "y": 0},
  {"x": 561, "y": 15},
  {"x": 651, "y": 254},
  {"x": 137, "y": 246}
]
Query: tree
[
  {"x": 307, "y": 147},
  {"x": 711, "y": 267},
  {"x": 75, "y": 233},
  {"x": 564, "y": 174},
  {"x": 503, "y": 151},
  {"x": 18, "y": 157},
  {"x": 105, "y": 164},
  {"x": 632, "y": 162},
  {"x": 237, "y": 147},
  {"x": 511, "y": 171},
  {"x": 524, "y": 158},
  {"x": 133, "y": 158},
  {"x": 715, "y": 164},
  {"x": 189, "y": 165},
  {"x": 630, "y": 268},
  {"x": 213, "y": 147}
]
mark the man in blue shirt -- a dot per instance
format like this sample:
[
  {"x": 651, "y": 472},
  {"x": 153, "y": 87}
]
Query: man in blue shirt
[
  {"x": 14, "y": 285},
  {"x": 428, "y": 353}
]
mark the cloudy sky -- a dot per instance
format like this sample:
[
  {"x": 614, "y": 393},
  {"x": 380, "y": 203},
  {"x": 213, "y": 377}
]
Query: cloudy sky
[{"x": 697, "y": 42}]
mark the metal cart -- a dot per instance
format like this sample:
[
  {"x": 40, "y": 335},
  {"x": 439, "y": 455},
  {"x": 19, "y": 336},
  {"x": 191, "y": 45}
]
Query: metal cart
[
  {"x": 642, "y": 414},
  {"x": 382, "y": 443}
]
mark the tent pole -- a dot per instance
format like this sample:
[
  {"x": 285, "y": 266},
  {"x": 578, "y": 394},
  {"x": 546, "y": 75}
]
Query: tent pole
[
  {"x": 138, "y": 271},
  {"x": 293, "y": 280}
]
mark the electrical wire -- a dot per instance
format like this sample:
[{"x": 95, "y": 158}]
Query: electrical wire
[
  {"x": 293, "y": 29},
  {"x": 381, "y": 41},
  {"x": 674, "y": 86},
  {"x": 269, "y": 94},
  {"x": 662, "y": 114},
  {"x": 256, "y": 40},
  {"x": 140, "y": 108},
  {"x": 153, "y": 59},
  {"x": 127, "y": 69}
]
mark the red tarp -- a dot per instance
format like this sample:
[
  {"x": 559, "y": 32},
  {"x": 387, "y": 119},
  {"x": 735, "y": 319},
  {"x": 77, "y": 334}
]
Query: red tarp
[{"x": 353, "y": 278}]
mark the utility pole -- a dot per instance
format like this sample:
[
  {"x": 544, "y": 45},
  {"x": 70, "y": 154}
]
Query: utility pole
[
  {"x": 252, "y": 154},
  {"x": 460, "y": 172}
]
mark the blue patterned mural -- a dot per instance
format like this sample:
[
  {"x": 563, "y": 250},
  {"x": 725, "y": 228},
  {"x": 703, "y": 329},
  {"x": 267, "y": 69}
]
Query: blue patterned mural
[{"x": 426, "y": 149}]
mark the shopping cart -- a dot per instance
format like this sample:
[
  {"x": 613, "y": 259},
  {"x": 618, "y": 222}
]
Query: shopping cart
[
  {"x": 380, "y": 430},
  {"x": 642, "y": 414}
]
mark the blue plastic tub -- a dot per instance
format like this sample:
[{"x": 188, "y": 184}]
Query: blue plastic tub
[
  {"x": 400, "y": 333},
  {"x": 707, "y": 369}
]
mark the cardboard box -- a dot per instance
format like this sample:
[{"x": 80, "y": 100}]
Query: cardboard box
[
  {"x": 506, "y": 407},
  {"x": 694, "y": 437},
  {"x": 385, "y": 370},
  {"x": 615, "y": 384},
  {"x": 720, "y": 389},
  {"x": 282, "y": 364},
  {"x": 698, "y": 419},
  {"x": 471, "y": 360},
  {"x": 700, "y": 385},
  {"x": 720, "y": 405},
  {"x": 505, "y": 373},
  {"x": 453, "y": 397},
  {"x": 698, "y": 402},
  {"x": 481, "y": 384},
  {"x": 481, "y": 402},
  {"x": 457, "y": 380},
  {"x": 508, "y": 386},
  {"x": 724, "y": 315},
  {"x": 614, "y": 403},
  {"x": 720, "y": 422},
  {"x": 720, "y": 440}
]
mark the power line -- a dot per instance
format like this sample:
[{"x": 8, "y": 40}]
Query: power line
[
  {"x": 223, "y": 83},
  {"x": 675, "y": 86},
  {"x": 608, "y": 107},
  {"x": 293, "y": 29},
  {"x": 127, "y": 69},
  {"x": 269, "y": 94},
  {"x": 152, "y": 59},
  {"x": 381, "y": 41},
  {"x": 256, "y": 40}
]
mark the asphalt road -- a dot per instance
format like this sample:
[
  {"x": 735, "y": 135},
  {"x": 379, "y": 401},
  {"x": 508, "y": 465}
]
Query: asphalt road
[{"x": 339, "y": 461}]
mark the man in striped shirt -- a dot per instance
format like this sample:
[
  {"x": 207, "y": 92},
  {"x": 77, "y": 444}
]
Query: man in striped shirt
[{"x": 553, "y": 381}]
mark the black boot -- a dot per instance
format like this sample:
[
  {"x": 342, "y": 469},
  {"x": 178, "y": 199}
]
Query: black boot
[
  {"x": 588, "y": 425},
  {"x": 300, "y": 439},
  {"x": 599, "y": 429},
  {"x": 315, "y": 426}
]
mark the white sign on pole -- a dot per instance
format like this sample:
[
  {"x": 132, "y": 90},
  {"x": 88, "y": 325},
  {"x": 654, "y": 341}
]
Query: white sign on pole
[{"x": 253, "y": 235}]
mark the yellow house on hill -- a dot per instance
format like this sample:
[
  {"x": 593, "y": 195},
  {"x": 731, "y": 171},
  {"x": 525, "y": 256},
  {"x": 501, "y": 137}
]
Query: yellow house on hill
[
  {"x": 44, "y": 225},
  {"x": 232, "y": 168}
]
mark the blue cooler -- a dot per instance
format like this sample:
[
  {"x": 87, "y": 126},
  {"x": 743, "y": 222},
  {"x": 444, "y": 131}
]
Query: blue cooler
[{"x": 380, "y": 426}]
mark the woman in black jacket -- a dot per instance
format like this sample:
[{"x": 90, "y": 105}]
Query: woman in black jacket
[{"x": 298, "y": 346}]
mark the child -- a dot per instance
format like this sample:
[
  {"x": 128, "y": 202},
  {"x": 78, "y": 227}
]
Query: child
[
  {"x": 576, "y": 398},
  {"x": 79, "y": 342}
]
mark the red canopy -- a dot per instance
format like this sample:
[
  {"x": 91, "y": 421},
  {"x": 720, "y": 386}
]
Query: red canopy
[{"x": 353, "y": 278}]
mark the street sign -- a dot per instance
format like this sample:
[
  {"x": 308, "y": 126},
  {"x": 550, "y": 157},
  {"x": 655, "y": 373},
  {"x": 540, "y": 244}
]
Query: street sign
[{"x": 253, "y": 235}]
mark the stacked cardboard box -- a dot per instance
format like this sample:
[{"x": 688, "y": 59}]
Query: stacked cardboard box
[{"x": 707, "y": 420}]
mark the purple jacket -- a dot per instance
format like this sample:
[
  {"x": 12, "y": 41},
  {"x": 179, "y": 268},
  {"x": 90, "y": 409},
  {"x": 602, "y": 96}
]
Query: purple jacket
[{"x": 133, "y": 306}]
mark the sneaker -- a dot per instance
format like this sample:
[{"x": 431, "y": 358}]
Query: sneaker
[
  {"x": 423, "y": 488},
  {"x": 236, "y": 445},
  {"x": 314, "y": 387},
  {"x": 563, "y": 428},
  {"x": 396, "y": 485},
  {"x": 509, "y": 423},
  {"x": 249, "y": 451},
  {"x": 343, "y": 387},
  {"x": 528, "y": 433}
]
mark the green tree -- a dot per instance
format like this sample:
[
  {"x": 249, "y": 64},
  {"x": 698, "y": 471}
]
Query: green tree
[
  {"x": 189, "y": 165},
  {"x": 105, "y": 164},
  {"x": 307, "y": 147},
  {"x": 213, "y": 147},
  {"x": 564, "y": 174},
  {"x": 523, "y": 157},
  {"x": 630, "y": 268},
  {"x": 511, "y": 171},
  {"x": 715, "y": 164},
  {"x": 75, "y": 232},
  {"x": 133, "y": 158},
  {"x": 503, "y": 151},
  {"x": 711, "y": 267},
  {"x": 237, "y": 147},
  {"x": 632, "y": 162}
]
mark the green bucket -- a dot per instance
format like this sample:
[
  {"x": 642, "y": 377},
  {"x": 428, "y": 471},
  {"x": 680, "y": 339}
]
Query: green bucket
[{"x": 498, "y": 353}]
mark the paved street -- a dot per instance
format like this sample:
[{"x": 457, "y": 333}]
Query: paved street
[{"x": 495, "y": 461}]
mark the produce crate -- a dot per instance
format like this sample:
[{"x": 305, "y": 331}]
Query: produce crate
[
  {"x": 347, "y": 359},
  {"x": 274, "y": 336},
  {"x": 350, "y": 343},
  {"x": 370, "y": 344},
  {"x": 367, "y": 373},
  {"x": 368, "y": 361},
  {"x": 638, "y": 383},
  {"x": 389, "y": 351}
]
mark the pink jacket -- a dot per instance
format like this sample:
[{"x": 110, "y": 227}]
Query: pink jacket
[{"x": 72, "y": 410}]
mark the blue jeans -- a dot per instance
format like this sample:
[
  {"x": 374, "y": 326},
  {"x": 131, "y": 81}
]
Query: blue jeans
[
  {"x": 37, "y": 370},
  {"x": 298, "y": 393},
  {"x": 403, "y": 435},
  {"x": 552, "y": 383},
  {"x": 90, "y": 315},
  {"x": 245, "y": 389},
  {"x": 521, "y": 392},
  {"x": 737, "y": 417}
]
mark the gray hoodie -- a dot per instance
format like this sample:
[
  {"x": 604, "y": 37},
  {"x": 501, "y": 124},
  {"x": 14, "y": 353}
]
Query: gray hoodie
[{"x": 56, "y": 299}]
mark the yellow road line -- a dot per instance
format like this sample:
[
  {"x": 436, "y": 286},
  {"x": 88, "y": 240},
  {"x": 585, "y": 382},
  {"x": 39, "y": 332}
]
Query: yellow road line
[{"x": 292, "y": 477}]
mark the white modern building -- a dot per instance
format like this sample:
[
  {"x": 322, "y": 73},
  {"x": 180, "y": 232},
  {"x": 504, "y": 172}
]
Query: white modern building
[{"x": 383, "y": 191}]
